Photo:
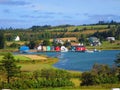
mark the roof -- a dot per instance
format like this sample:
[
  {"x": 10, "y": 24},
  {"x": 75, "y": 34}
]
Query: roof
[
  {"x": 23, "y": 48},
  {"x": 93, "y": 39}
]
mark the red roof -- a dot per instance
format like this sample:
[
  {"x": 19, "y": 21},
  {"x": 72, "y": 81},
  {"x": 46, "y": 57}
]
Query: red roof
[{"x": 57, "y": 48}]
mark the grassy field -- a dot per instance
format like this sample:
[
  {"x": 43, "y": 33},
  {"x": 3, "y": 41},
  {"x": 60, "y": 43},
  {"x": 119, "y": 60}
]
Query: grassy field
[
  {"x": 17, "y": 57},
  {"x": 82, "y": 27},
  {"x": 33, "y": 62},
  {"x": 34, "y": 65}
]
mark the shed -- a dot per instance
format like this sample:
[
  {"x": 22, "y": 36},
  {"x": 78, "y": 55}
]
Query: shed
[
  {"x": 24, "y": 49},
  {"x": 48, "y": 48},
  {"x": 44, "y": 48},
  {"x": 52, "y": 48},
  {"x": 64, "y": 49},
  {"x": 39, "y": 47},
  {"x": 57, "y": 48}
]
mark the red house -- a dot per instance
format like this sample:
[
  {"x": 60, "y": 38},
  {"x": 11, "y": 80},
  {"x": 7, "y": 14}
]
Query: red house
[{"x": 57, "y": 48}]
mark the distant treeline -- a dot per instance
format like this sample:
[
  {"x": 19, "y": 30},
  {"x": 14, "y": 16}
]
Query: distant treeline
[{"x": 47, "y": 32}]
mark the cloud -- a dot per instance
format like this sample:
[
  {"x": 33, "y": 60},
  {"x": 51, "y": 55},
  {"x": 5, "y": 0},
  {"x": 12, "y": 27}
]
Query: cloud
[
  {"x": 42, "y": 15},
  {"x": 37, "y": 17},
  {"x": 107, "y": 17},
  {"x": 13, "y": 2},
  {"x": 47, "y": 12}
]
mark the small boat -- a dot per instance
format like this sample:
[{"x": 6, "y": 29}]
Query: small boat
[
  {"x": 89, "y": 51},
  {"x": 95, "y": 50}
]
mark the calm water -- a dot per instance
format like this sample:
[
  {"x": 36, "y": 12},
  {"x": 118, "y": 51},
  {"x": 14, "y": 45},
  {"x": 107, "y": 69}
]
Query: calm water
[{"x": 79, "y": 61}]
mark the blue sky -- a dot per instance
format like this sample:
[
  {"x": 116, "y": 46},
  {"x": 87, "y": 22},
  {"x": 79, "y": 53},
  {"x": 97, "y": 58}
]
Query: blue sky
[{"x": 26, "y": 13}]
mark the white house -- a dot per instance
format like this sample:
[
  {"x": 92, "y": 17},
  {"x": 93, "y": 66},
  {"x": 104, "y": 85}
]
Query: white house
[
  {"x": 17, "y": 38},
  {"x": 110, "y": 38}
]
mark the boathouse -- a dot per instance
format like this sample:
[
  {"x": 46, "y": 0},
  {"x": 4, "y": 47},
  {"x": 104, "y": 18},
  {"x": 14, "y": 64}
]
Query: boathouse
[
  {"x": 80, "y": 48},
  {"x": 24, "y": 49},
  {"x": 57, "y": 48},
  {"x": 48, "y": 48}
]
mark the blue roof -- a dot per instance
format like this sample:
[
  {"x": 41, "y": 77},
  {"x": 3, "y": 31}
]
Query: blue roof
[{"x": 24, "y": 48}]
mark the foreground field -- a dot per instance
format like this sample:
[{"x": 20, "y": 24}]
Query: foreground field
[{"x": 31, "y": 63}]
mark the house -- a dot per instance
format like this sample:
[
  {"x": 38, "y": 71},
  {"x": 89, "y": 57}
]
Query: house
[
  {"x": 17, "y": 38},
  {"x": 110, "y": 38},
  {"x": 94, "y": 41},
  {"x": 57, "y": 41}
]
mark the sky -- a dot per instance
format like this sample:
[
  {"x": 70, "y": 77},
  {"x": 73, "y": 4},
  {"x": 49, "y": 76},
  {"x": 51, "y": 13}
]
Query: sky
[{"x": 28, "y": 13}]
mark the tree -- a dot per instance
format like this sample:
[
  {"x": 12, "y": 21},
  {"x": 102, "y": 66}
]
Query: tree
[
  {"x": 46, "y": 42},
  {"x": 9, "y": 66},
  {"x": 32, "y": 44},
  {"x": 2, "y": 40},
  {"x": 117, "y": 61},
  {"x": 82, "y": 38},
  {"x": 87, "y": 79}
]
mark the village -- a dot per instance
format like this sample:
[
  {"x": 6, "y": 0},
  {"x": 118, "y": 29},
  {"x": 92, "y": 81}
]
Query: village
[{"x": 60, "y": 45}]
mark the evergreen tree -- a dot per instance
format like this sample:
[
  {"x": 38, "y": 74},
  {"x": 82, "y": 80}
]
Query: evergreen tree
[
  {"x": 2, "y": 40},
  {"x": 9, "y": 66}
]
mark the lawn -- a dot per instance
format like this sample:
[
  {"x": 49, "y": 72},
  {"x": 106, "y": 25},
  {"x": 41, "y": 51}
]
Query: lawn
[
  {"x": 17, "y": 57},
  {"x": 35, "y": 66}
]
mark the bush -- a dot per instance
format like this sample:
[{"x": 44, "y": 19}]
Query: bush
[
  {"x": 14, "y": 45},
  {"x": 100, "y": 74}
]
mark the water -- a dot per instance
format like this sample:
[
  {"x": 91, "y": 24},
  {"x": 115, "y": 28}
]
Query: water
[{"x": 79, "y": 61}]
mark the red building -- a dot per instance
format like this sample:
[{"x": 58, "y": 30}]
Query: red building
[
  {"x": 80, "y": 48},
  {"x": 57, "y": 48}
]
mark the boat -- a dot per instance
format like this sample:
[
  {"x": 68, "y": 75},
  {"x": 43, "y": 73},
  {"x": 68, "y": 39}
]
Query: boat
[{"x": 89, "y": 51}]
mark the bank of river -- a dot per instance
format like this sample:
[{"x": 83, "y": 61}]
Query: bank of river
[{"x": 79, "y": 61}]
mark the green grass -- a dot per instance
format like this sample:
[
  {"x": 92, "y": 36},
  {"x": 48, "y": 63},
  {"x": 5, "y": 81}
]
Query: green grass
[
  {"x": 88, "y": 27},
  {"x": 35, "y": 66},
  {"x": 94, "y": 87},
  {"x": 17, "y": 57}
]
